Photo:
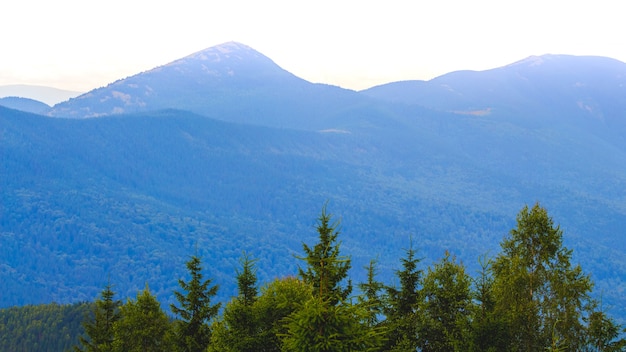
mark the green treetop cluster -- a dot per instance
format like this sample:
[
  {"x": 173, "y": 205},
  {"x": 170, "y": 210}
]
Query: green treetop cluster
[{"x": 528, "y": 298}]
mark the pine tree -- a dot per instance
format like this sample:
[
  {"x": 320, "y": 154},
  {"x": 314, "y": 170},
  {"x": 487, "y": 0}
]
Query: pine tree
[
  {"x": 539, "y": 293},
  {"x": 193, "y": 331},
  {"x": 326, "y": 268},
  {"x": 99, "y": 330}
]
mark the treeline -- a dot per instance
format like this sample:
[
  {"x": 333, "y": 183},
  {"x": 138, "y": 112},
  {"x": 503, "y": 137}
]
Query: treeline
[
  {"x": 44, "y": 327},
  {"x": 527, "y": 298}
]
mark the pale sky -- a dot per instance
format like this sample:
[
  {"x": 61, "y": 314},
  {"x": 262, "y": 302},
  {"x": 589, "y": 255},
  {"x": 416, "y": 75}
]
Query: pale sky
[{"x": 85, "y": 44}]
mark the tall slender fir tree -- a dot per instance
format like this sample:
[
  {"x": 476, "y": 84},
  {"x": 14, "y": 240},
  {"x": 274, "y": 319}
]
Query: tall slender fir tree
[
  {"x": 99, "y": 329},
  {"x": 326, "y": 269},
  {"x": 192, "y": 331}
]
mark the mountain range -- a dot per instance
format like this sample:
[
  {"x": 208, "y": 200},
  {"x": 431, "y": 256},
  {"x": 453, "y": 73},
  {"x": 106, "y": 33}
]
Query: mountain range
[{"x": 224, "y": 151}]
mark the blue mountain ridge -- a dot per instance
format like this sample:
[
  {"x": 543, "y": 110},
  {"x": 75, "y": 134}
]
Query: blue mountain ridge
[
  {"x": 223, "y": 151},
  {"x": 24, "y": 104}
]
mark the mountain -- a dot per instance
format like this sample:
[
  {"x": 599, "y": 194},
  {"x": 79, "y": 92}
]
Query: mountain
[
  {"x": 24, "y": 104},
  {"x": 548, "y": 88},
  {"x": 48, "y": 95},
  {"x": 230, "y": 82},
  {"x": 129, "y": 196}
]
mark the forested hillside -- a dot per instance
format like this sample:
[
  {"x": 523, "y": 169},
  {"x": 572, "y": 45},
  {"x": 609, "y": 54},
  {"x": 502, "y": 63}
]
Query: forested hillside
[
  {"x": 244, "y": 162},
  {"x": 519, "y": 300},
  {"x": 46, "y": 327}
]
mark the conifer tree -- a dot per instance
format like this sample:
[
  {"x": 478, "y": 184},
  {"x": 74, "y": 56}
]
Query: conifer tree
[
  {"x": 193, "y": 331},
  {"x": 239, "y": 327},
  {"x": 401, "y": 305},
  {"x": 326, "y": 268},
  {"x": 328, "y": 321},
  {"x": 247, "y": 281},
  {"x": 321, "y": 327},
  {"x": 370, "y": 298},
  {"x": 99, "y": 330}
]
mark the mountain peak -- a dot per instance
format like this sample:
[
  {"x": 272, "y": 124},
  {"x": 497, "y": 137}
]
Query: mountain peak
[
  {"x": 533, "y": 60},
  {"x": 223, "y": 52},
  {"x": 203, "y": 82}
]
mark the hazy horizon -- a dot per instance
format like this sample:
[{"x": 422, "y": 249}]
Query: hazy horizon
[{"x": 77, "y": 46}]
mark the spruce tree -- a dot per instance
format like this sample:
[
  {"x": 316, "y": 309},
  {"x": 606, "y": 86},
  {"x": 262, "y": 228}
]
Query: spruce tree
[
  {"x": 328, "y": 321},
  {"x": 402, "y": 303},
  {"x": 239, "y": 328},
  {"x": 320, "y": 327},
  {"x": 326, "y": 269},
  {"x": 370, "y": 298},
  {"x": 247, "y": 281},
  {"x": 193, "y": 331},
  {"x": 99, "y": 329}
]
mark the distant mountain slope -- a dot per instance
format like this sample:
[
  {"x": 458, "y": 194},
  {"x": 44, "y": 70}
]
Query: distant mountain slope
[
  {"x": 48, "y": 95},
  {"x": 24, "y": 104},
  {"x": 544, "y": 87},
  {"x": 132, "y": 196},
  {"x": 230, "y": 82}
]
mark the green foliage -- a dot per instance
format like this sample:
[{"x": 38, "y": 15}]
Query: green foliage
[
  {"x": 489, "y": 330},
  {"x": 259, "y": 326},
  {"x": 99, "y": 329},
  {"x": 45, "y": 327},
  {"x": 192, "y": 331},
  {"x": 604, "y": 334},
  {"x": 278, "y": 300},
  {"x": 529, "y": 298},
  {"x": 320, "y": 326},
  {"x": 143, "y": 326},
  {"x": 326, "y": 268},
  {"x": 371, "y": 298},
  {"x": 247, "y": 281},
  {"x": 240, "y": 325},
  {"x": 402, "y": 305},
  {"x": 539, "y": 293},
  {"x": 327, "y": 321},
  {"x": 445, "y": 310}
]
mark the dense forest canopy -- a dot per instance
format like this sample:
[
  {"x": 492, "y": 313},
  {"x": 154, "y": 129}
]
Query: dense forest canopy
[{"x": 529, "y": 297}]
